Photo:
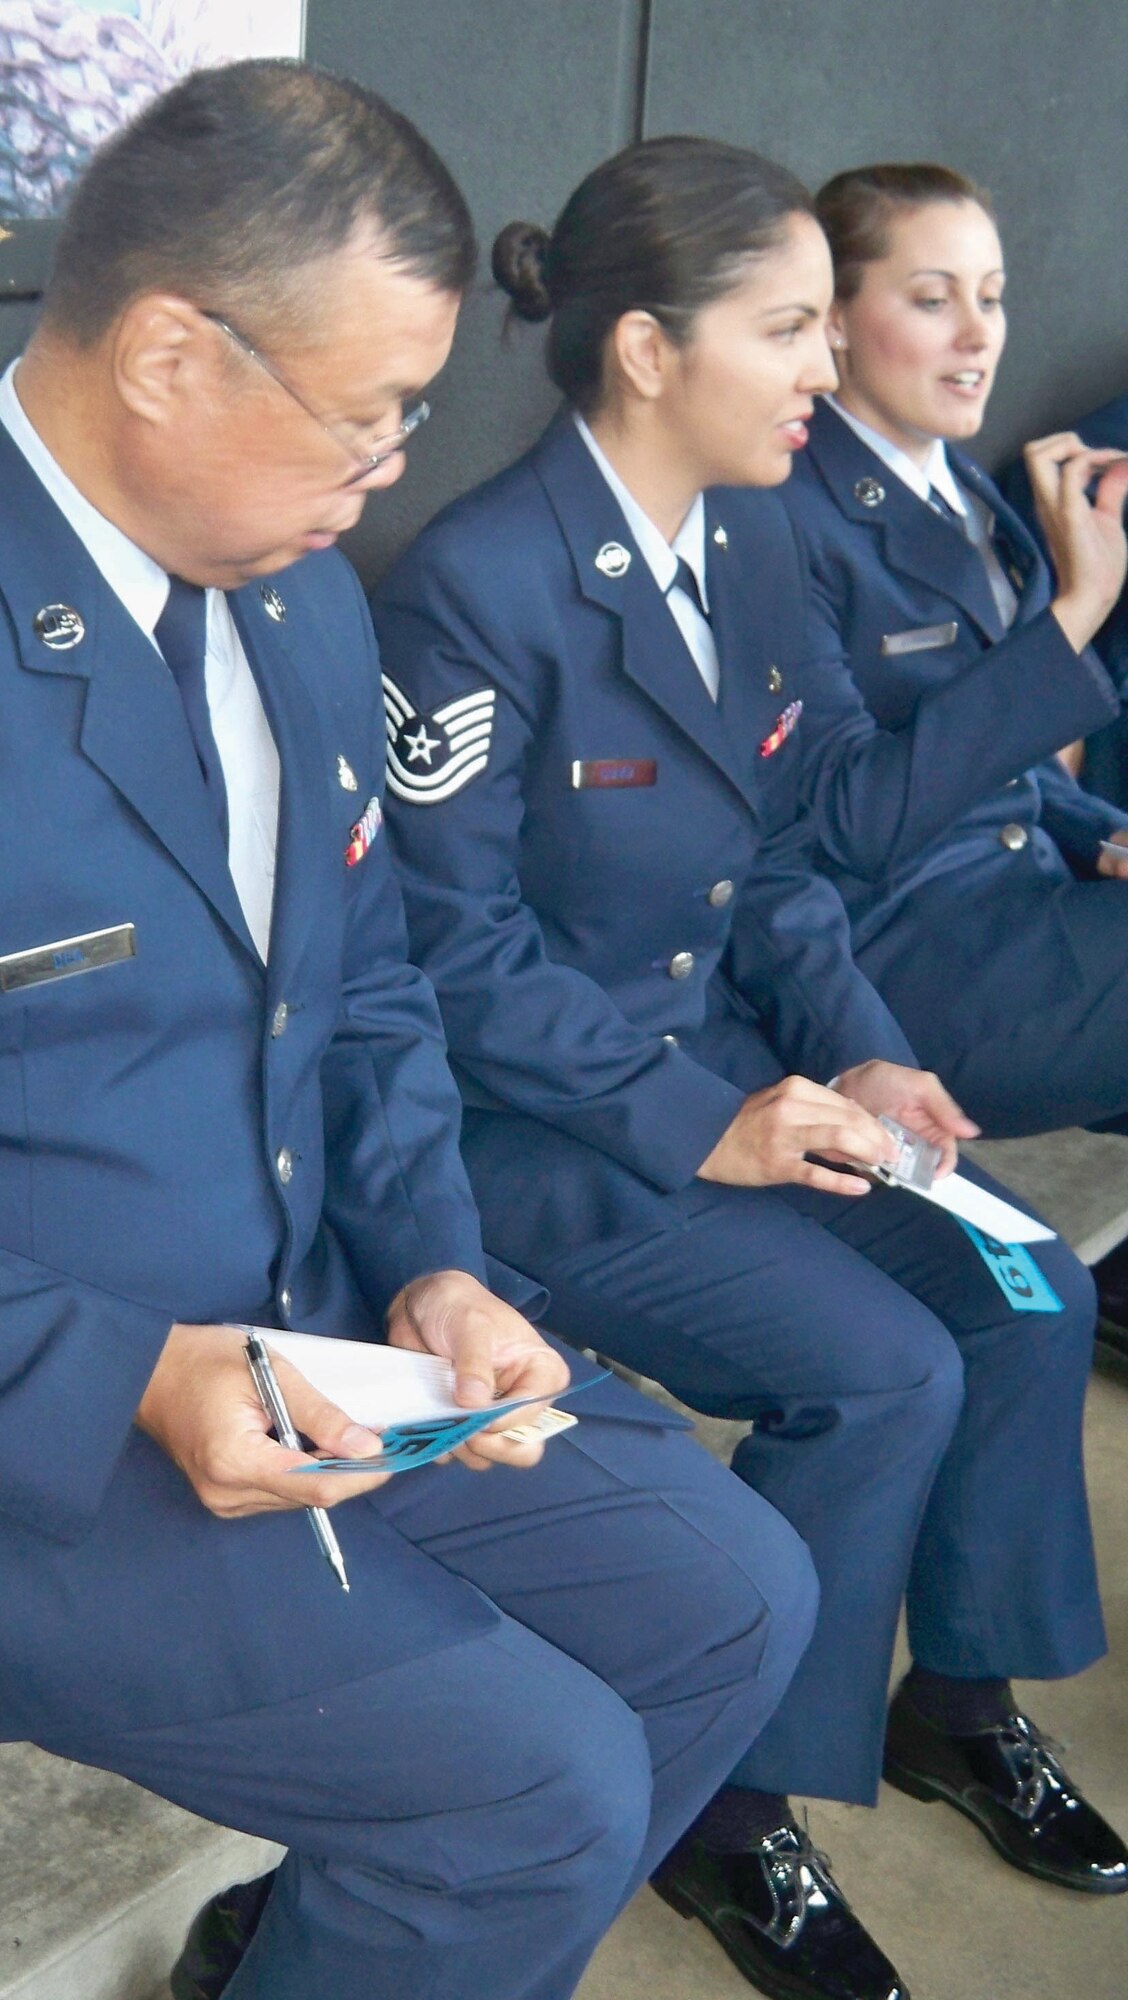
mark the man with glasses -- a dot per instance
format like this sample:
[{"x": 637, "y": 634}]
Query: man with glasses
[{"x": 224, "y": 1098}]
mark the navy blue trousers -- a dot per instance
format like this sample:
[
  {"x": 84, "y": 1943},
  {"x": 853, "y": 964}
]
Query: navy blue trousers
[
  {"x": 922, "y": 1436},
  {"x": 465, "y": 1825}
]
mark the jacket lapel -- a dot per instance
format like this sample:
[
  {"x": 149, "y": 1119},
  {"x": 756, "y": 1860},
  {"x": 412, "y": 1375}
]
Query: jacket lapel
[
  {"x": 133, "y": 728},
  {"x": 909, "y": 538},
  {"x": 654, "y": 655}
]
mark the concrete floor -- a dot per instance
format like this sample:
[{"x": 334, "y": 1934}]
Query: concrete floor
[{"x": 956, "y": 1921}]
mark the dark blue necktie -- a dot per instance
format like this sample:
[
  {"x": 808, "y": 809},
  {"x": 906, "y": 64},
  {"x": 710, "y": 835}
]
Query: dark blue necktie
[
  {"x": 939, "y": 505},
  {"x": 181, "y": 634},
  {"x": 685, "y": 580}
]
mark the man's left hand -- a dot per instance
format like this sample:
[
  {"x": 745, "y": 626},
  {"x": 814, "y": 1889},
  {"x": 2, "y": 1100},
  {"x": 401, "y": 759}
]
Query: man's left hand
[
  {"x": 915, "y": 1098},
  {"x": 496, "y": 1354},
  {"x": 1115, "y": 865}
]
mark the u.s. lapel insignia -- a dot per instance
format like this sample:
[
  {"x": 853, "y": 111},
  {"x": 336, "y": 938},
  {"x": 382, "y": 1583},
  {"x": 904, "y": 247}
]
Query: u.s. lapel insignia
[
  {"x": 720, "y": 536},
  {"x": 431, "y": 756},
  {"x": 613, "y": 559},
  {"x": 346, "y": 776},
  {"x": 275, "y": 608},
  {"x": 362, "y": 835},
  {"x": 59, "y": 627},
  {"x": 870, "y": 492},
  {"x": 775, "y": 681},
  {"x": 782, "y": 730}
]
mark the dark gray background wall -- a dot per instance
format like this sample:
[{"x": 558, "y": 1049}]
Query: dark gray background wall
[{"x": 522, "y": 97}]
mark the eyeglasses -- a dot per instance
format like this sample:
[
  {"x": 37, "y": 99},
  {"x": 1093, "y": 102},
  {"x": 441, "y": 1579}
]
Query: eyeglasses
[{"x": 380, "y": 449}]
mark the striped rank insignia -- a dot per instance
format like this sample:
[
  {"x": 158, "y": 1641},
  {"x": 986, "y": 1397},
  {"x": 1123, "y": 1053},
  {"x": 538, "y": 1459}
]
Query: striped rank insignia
[
  {"x": 782, "y": 730},
  {"x": 432, "y": 756},
  {"x": 362, "y": 835}
]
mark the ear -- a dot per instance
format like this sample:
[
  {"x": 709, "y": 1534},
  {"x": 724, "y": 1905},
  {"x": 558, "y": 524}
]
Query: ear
[
  {"x": 836, "y": 329},
  {"x": 164, "y": 356},
  {"x": 642, "y": 353}
]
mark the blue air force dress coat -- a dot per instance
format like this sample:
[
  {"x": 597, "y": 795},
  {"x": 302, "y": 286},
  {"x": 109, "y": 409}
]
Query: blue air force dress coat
[
  {"x": 606, "y": 877},
  {"x": 1001, "y": 953},
  {"x": 1106, "y": 754},
  {"x": 187, "y": 1134}
]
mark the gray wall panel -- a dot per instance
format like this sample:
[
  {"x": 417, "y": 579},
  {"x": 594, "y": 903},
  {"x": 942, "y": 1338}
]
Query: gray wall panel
[
  {"x": 521, "y": 100},
  {"x": 1033, "y": 102}
]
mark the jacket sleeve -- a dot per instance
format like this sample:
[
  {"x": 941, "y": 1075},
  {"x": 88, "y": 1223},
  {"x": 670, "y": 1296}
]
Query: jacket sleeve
[
  {"x": 1075, "y": 819},
  {"x": 532, "y": 1032},
  {"x": 397, "y": 1195},
  {"x": 789, "y": 957},
  {"x": 880, "y": 795}
]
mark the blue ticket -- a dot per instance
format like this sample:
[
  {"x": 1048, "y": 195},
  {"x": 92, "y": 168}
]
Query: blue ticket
[{"x": 1018, "y": 1277}]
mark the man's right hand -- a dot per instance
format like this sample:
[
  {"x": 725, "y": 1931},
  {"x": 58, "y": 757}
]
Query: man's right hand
[
  {"x": 765, "y": 1144},
  {"x": 202, "y": 1408}
]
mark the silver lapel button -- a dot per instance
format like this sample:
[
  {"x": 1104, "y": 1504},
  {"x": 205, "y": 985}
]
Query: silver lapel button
[
  {"x": 720, "y": 536},
  {"x": 273, "y": 603},
  {"x": 59, "y": 626},
  {"x": 613, "y": 559},
  {"x": 346, "y": 776},
  {"x": 870, "y": 492}
]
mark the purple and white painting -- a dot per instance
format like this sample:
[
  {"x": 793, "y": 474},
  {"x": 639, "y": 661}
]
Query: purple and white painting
[{"x": 72, "y": 71}]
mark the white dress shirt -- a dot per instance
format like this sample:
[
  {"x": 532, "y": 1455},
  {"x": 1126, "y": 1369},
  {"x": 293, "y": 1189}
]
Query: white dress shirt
[
  {"x": 977, "y": 518},
  {"x": 662, "y": 556},
  {"x": 242, "y": 734}
]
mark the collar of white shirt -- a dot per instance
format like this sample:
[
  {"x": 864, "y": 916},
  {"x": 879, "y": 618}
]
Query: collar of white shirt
[
  {"x": 660, "y": 555},
  {"x": 934, "y": 473}
]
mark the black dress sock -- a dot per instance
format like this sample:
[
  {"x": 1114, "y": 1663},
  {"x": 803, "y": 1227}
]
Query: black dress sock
[
  {"x": 735, "y": 1820},
  {"x": 957, "y": 1706}
]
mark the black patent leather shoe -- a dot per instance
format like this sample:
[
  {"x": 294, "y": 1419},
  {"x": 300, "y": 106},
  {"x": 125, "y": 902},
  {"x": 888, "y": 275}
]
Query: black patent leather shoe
[
  {"x": 219, "y": 1935},
  {"x": 780, "y": 1917},
  {"x": 1009, "y": 1781}
]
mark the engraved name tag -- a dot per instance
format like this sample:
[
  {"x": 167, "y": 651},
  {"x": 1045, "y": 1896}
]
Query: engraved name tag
[
  {"x": 610, "y": 772},
  {"x": 69, "y": 955},
  {"x": 921, "y": 639}
]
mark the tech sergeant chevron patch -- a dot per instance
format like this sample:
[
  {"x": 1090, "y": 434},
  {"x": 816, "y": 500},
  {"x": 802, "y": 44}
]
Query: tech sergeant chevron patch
[{"x": 432, "y": 756}]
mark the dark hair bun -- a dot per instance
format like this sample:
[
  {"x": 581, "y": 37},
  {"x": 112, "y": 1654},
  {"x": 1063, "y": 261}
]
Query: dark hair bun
[{"x": 518, "y": 263}]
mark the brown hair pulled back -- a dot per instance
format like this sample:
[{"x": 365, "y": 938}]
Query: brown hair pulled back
[
  {"x": 856, "y": 209},
  {"x": 666, "y": 227}
]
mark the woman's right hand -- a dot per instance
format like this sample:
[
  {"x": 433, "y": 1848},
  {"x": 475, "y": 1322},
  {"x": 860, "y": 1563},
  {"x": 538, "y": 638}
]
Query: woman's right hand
[
  {"x": 766, "y": 1142},
  {"x": 1085, "y": 537}
]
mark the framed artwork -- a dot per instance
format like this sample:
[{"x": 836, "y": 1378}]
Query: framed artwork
[{"x": 72, "y": 71}]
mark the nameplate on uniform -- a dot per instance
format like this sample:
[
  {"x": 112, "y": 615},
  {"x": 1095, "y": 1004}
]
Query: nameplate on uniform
[
  {"x": 1018, "y": 1277},
  {"x": 68, "y": 956},
  {"x": 609, "y": 773},
  {"x": 921, "y": 639}
]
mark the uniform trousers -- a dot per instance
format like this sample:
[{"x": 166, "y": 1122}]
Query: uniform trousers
[
  {"x": 1031, "y": 1060},
  {"x": 464, "y": 1825},
  {"x": 922, "y": 1436}
]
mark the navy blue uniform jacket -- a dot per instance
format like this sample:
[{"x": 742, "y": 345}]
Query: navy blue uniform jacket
[
  {"x": 603, "y": 870},
  {"x": 143, "y": 1106},
  {"x": 908, "y": 598}
]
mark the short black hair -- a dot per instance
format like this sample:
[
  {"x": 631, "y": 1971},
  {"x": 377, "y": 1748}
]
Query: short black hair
[
  {"x": 666, "y": 226},
  {"x": 226, "y": 188}
]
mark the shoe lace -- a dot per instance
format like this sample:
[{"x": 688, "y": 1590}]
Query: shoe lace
[
  {"x": 793, "y": 1866},
  {"x": 1032, "y": 1761}
]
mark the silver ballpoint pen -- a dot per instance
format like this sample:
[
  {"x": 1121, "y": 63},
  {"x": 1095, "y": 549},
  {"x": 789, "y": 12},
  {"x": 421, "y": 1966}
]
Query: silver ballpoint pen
[{"x": 274, "y": 1403}]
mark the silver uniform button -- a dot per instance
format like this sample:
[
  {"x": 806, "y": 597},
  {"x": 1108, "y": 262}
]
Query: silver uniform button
[
  {"x": 673, "y": 1041},
  {"x": 286, "y": 1300},
  {"x": 285, "y": 1165},
  {"x": 720, "y": 894},
  {"x": 870, "y": 492},
  {"x": 1014, "y": 836},
  {"x": 681, "y": 965},
  {"x": 281, "y": 1017}
]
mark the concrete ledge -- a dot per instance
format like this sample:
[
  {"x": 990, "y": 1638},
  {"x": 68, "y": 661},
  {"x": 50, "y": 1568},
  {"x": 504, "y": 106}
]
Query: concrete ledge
[
  {"x": 100, "y": 1880},
  {"x": 1077, "y": 1180}
]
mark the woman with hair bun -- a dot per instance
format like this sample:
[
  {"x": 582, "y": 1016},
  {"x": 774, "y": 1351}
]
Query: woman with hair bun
[
  {"x": 1001, "y": 945},
  {"x": 599, "y": 670}
]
